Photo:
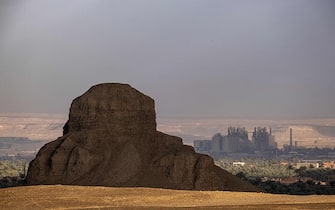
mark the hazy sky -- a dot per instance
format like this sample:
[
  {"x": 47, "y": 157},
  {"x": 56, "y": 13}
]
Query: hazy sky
[{"x": 249, "y": 59}]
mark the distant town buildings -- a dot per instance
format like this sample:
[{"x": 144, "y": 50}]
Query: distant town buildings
[
  {"x": 263, "y": 140},
  {"x": 308, "y": 164},
  {"x": 328, "y": 164},
  {"x": 238, "y": 163},
  {"x": 237, "y": 142}
]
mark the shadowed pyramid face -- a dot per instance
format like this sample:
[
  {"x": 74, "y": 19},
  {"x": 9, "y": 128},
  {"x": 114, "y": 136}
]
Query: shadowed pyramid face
[{"x": 111, "y": 139}]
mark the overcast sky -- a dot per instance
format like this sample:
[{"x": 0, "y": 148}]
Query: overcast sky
[{"x": 262, "y": 59}]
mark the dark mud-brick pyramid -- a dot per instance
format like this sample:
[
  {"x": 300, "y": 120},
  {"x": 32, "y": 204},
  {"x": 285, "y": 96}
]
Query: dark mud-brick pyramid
[{"x": 111, "y": 139}]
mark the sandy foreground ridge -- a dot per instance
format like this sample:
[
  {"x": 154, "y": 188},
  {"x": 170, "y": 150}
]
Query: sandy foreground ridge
[{"x": 83, "y": 197}]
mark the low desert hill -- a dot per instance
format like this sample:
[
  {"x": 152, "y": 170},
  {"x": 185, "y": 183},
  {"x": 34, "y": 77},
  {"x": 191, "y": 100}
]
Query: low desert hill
[
  {"x": 309, "y": 133},
  {"x": 35, "y": 126},
  {"x": 84, "y": 197}
]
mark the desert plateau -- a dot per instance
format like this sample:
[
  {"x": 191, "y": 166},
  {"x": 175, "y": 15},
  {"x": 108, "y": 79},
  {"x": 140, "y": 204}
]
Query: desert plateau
[{"x": 308, "y": 133}]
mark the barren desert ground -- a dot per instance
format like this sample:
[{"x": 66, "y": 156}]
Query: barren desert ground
[{"x": 81, "y": 197}]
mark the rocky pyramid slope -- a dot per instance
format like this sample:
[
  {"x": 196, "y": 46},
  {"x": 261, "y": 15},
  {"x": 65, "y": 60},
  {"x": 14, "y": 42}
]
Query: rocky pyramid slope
[{"x": 111, "y": 139}]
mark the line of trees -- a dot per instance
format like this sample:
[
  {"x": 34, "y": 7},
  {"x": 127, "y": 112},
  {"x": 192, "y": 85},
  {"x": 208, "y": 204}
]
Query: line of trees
[
  {"x": 12, "y": 172},
  {"x": 320, "y": 180},
  {"x": 298, "y": 188},
  {"x": 258, "y": 168}
]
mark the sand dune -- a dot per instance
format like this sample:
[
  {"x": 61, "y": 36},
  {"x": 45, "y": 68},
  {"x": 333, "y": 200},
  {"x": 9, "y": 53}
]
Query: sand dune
[{"x": 82, "y": 197}]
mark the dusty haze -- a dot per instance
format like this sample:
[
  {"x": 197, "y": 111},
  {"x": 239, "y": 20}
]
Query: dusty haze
[
  {"x": 309, "y": 133},
  {"x": 264, "y": 59}
]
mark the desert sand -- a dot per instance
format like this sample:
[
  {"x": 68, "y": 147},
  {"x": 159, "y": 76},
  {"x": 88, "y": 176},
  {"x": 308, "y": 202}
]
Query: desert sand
[{"x": 85, "y": 197}]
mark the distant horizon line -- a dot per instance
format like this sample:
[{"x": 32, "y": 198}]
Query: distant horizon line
[{"x": 58, "y": 114}]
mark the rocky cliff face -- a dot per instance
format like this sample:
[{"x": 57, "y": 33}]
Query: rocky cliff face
[{"x": 111, "y": 139}]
